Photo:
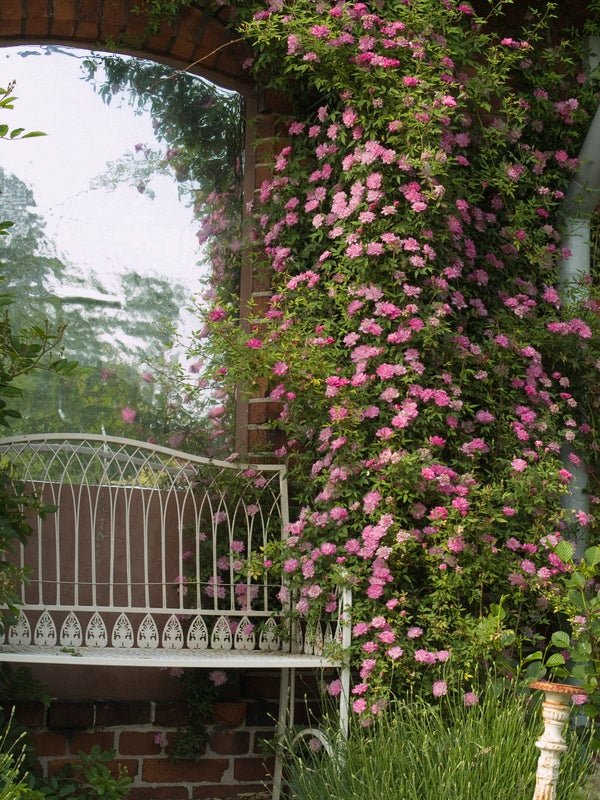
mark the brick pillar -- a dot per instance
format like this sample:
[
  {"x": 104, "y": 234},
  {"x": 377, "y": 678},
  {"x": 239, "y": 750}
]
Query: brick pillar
[{"x": 270, "y": 138}]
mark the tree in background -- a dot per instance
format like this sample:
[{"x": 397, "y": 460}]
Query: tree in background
[
  {"x": 202, "y": 128},
  {"x": 25, "y": 349}
]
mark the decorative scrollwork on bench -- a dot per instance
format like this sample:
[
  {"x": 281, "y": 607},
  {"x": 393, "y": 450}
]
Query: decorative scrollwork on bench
[{"x": 227, "y": 633}]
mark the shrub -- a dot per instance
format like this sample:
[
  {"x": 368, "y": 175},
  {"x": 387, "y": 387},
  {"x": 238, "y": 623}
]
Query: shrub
[
  {"x": 457, "y": 750},
  {"x": 436, "y": 392},
  {"x": 88, "y": 778},
  {"x": 13, "y": 780}
]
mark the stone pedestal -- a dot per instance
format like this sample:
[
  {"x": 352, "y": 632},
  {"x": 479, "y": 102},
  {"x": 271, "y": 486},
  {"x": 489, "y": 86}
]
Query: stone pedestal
[{"x": 556, "y": 708}]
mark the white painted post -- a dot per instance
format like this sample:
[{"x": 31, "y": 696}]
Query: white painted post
[{"x": 556, "y": 708}]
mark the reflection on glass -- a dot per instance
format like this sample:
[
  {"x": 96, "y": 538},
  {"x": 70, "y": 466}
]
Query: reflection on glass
[{"x": 116, "y": 213}]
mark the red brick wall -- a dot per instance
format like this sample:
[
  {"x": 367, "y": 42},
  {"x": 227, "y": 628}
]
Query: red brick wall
[
  {"x": 237, "y": 762},
  {"x": 234, "y": 763}
]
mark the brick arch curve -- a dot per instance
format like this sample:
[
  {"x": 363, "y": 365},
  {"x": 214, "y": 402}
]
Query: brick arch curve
[{"x": 195, "y": 36}]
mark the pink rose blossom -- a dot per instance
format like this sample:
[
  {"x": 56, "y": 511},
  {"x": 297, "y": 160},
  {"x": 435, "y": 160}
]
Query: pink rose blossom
[
  {"x": 579, "y": 699},
  {"x": 425, "y": 657},
  {"x": 217, "y": 677},
  {"x": 470, "y": 699},
  {"x": 518, "y": 464},
  {"x": 395, "y": 653},
  {"x": 128, "y": 415}
]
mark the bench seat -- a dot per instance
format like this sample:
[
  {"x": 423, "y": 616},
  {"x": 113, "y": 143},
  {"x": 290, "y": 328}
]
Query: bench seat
[
  {"x": 148, "y": 558},
  {"x": 135, "y": 657}
]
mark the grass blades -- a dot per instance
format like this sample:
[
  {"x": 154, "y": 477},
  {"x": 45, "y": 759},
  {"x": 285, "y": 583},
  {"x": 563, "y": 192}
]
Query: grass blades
[{"x": 417, "y": 751}]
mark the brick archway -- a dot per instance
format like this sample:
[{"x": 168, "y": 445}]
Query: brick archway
[
  {"x": 195, "y": 36},
  {"x": 197, "y": 39}
]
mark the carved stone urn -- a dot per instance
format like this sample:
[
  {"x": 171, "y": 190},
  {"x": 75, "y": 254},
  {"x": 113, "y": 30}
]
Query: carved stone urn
[{"x": 556, "y": 708}]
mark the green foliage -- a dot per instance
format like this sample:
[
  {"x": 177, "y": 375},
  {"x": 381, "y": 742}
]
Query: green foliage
[
  {"x": 430, "y": 379},
  {"x": 200, "y": 694},
  {"x": 7, "y": 101},
  {"x": 14, "y": 783},
  {"x": 416, "y": 751},
  {"x": 23, "y": 352},
  {"x": 88, "y": 778},
  {"x": 592, "y": 21},
  {"x": 574, "y": 653}
]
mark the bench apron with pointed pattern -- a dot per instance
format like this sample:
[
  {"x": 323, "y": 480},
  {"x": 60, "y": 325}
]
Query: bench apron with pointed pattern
[{"x": 142, "y": 564}]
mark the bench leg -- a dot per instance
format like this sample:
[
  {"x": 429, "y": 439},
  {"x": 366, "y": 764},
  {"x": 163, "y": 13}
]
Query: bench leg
[
  {"x": 285, "y": 721},
  {"x": 345, "y": 702}
]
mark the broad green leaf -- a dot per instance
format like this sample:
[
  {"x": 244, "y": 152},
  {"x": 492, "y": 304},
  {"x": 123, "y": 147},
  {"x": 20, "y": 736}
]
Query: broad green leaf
[
  {"x": 561, "y": 639},
  {"x": 592, "y": 556},
  {"x": 578, "y": 580},
  {"x": 537, "y": 656},
  {"x": 497, "y": 611},
  {"x": 561, "y": 672},
  {"x": 564, "y": 550},
  {"x": 580, "y": 672},
  {"x": 555, "y": 660},
  {"x": 536, "y": 671},
  {"x": 580, "y": 658}
]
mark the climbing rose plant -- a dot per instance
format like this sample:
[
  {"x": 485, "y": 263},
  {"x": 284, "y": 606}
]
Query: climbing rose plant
[{"x": 434, "y": 390}]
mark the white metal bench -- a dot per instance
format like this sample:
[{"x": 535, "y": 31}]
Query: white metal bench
[{"x": 142, "y": 564}]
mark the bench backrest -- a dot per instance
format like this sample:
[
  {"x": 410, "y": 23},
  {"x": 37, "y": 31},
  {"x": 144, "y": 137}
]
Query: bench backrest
[{"x": 147, "y": 546}]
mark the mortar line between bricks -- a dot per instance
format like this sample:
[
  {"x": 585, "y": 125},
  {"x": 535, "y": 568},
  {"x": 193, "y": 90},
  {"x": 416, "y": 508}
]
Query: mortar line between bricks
[
  {"x": 77, "y": 17},
  {"x": 100, "y": 16},
  {"x": 23, "y": 16},
  {"x": 137, "y": 781},
  {"x": 175, "y": 28}
]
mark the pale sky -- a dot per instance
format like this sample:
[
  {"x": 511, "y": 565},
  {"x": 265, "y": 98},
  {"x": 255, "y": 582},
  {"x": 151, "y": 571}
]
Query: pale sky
[{"x": 96, "y": 229}]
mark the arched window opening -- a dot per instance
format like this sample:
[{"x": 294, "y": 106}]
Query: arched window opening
[{"x": 124, "y": 215}]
